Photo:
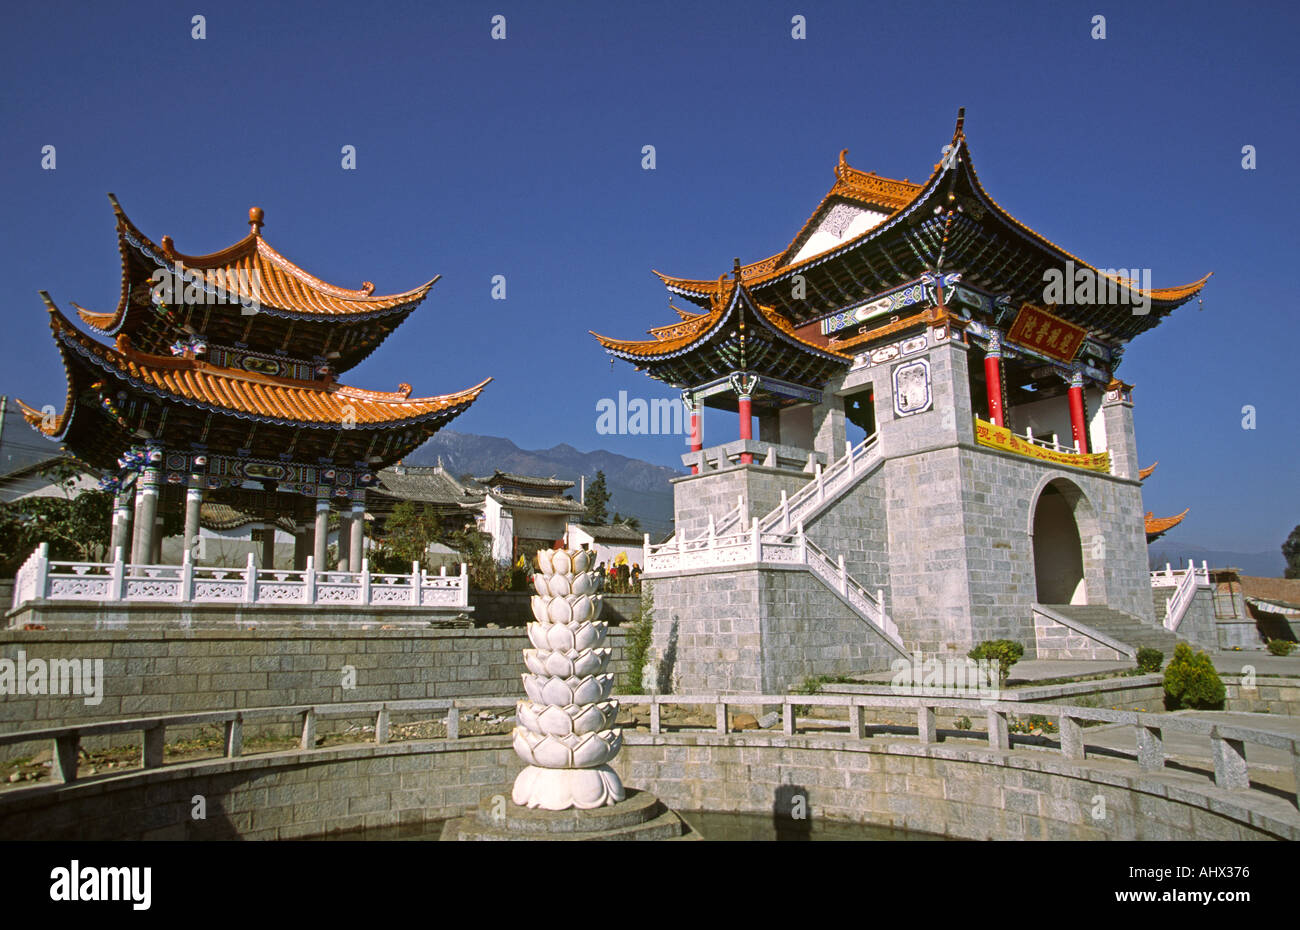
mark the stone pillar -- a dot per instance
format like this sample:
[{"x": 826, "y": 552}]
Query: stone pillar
[
  {"x": 321, "y": 542},
  {"x": 696, "y": 407},
  {"x": 993, "y": 378},
  {"x": 121, "y": 536},
  {"x": 268, "y": 543},
  {"x": 1121, "y": 441},
  {"x": 301, "y": 545},
  {"x": 193, "y": 501},
  {"x": 357, "y": 545},
  {"x": 146, "y": 506},
  {"x": 155, "y": 553},
  {"x": 744, "y": 384},
  {"x": 1078, "y": 418},
  {"x": 344, "y": 540}
]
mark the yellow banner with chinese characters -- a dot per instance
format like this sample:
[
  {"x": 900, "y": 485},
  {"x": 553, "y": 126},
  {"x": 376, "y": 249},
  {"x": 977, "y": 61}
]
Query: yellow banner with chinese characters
[{"x": 999, "y": 437}]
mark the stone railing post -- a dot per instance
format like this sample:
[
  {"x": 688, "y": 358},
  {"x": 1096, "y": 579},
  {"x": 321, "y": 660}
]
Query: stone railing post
[
  {"x": 365, "y": 581},
  {"x": 785, "y": 510},
  {"x": 186, "y": 592},
  {"x": 117, "y": 578},
  {"x": 381, "y": 726},
  {"x": 1229, "y": 762},
  {"x": 308, "y": 740},
  {"x": 234, "y": 737},
  {"x": 463, "y": 597},
  {"x": 843, "y": 576},
  {"x": 65, "y": 751},
  {"x": 41, "y": 572},
  {"x": 250, "y": 580},
  {"x": 1150, "y": 747},
  {"x": 415, "y": 583},
  {"x": 720, "y": 711},
  {"x": 787, "y": 718},
  {"x": 1071, "y": 739},
  {"x": 998, "y": 736},
  {"x": 453, "y": 721},
  {"x": 801, "y": 544},
  {"x": 857, "y": 729},
  {"x": 155, "y": 738},
  {"x": 925, "y": 728},
  {"x": 309, "y": 581},
  {"x": 654, "y": 716},
  {"x": 756, "y": 541}
]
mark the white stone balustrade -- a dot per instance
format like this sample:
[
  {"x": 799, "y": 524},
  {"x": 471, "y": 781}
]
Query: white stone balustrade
[
  {"x": 1184, "y": 582},
  {"x": 41, "y": 579}
]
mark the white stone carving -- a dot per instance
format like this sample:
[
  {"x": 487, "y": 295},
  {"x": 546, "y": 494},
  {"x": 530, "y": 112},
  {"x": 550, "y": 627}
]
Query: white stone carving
[{"x": 566, "y": 731}]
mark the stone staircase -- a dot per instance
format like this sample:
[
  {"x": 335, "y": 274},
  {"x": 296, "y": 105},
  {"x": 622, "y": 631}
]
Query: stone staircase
[{"x": 1119, "y": 626}]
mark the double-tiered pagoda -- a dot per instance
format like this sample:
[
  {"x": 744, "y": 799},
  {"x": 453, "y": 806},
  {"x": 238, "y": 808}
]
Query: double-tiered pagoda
[
  {"x": 998, "y": 492},
  {"x": 220, "y": 384}
]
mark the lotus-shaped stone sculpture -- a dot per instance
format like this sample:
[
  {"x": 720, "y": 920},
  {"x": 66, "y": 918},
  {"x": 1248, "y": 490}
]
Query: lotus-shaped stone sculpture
[{"x": 565, "y": 731}]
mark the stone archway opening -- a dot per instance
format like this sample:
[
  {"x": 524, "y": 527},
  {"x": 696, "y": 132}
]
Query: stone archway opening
[{"x": 1058, "y": 547}]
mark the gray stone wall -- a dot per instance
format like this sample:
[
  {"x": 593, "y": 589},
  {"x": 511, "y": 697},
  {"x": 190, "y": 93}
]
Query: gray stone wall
[
  {"x": 714, "y": 493},
  {"x": 749, "y": 630},
  {"x": 856, "y": 526},
  {"x": 1199, "y": 625},
  {"x": 169, "y": 672},
  {"x": 1057, "y": 641}
]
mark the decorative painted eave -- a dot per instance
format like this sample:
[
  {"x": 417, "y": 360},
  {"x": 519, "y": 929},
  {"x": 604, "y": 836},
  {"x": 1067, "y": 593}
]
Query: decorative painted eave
[
  {"x": 241, "y": 394},
  {"x": 1145, "y": 473}
]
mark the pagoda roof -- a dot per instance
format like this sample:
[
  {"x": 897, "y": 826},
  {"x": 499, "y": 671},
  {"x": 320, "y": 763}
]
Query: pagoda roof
[
  {"x": 1158, "y": 526},
  {"x": 715, "y": 330},
  {"x": 1145, "y": 473},
  {"x": 251, "y": 270},
  {"x": 947, "y": 223},
  {"x": 237, "y": 393},
  {"x": 533, "y": 481}
]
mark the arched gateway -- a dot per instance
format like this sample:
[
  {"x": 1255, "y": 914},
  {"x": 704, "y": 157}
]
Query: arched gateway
[{"x": 1063, "y": 520}]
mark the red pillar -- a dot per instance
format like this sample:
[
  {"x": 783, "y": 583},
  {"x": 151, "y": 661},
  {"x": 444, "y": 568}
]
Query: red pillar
[
  {"x": 1078, "y": 422},
  {"x": 746, "y": 426},
  {"x": 697, "y": 430},
  {"x": 993, "y": 379}
]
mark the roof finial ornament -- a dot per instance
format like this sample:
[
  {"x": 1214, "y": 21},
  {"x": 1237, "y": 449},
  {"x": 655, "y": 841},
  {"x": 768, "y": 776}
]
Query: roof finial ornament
[
  {"x": 961, "y": 123},
  {"x": 843, "y": 166},
  {"x": 735, "y": 267},
  {"x": 168, "y": 246},
  {"x": 256, "y": 216}
]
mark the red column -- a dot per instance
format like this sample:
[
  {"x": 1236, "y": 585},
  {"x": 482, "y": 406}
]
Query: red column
[
  {"x": 746, "y": 426},
  {"x": 1078, "y": 422},
  {"x": 697, "y": 430},
  {"x": 993, "y": 379}
]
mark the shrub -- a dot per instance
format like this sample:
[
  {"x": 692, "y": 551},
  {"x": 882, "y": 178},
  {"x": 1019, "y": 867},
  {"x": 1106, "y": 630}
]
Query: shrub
[
  {"x": 963, "y": 724},
  {"x": 1004, "y": 652},
  {"x": 1280, "y": 647},
  {"x": 637, "y": 650},
  {"x": 1191, "y": 681},
  {"x": 1149, "y": 659}
]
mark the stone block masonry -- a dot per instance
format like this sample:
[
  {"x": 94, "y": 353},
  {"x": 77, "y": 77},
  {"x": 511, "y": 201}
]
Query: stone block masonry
[{"x": 168, "y": 672}]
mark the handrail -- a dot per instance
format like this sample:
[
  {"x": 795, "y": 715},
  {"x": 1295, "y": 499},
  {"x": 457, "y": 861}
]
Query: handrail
[
  {"x": 40, "y": 578},
  {"x": 1176, "y": 607},
  {"x": 1227, "y": 741}
]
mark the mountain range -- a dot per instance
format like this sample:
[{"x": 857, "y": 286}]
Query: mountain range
[{"x": 636, "y": 488}]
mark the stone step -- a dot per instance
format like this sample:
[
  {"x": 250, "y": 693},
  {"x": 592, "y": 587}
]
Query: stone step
[{"x": 1120, "y": 626}]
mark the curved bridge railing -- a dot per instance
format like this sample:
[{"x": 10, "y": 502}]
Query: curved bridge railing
[{"x": 1227, "y": 742}]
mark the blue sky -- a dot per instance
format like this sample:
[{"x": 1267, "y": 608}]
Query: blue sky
[{"x": 522, "y": 158}]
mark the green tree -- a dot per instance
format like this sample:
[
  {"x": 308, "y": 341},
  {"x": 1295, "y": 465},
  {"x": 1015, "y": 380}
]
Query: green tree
[
  {"x": 409, "y": 529},
  {"x": 76, "y": 527},
  {"x": 597, "y": 501},
  {"x": 1291, "y": 552},
  {"x": 631, "y": 523}
]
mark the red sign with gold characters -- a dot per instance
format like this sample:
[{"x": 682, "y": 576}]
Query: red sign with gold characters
[{"x": 1037, "y": 329}]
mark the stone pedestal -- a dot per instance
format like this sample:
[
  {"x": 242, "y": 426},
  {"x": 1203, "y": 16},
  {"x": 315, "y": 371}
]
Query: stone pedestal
[{"x": 639, "y": 816}]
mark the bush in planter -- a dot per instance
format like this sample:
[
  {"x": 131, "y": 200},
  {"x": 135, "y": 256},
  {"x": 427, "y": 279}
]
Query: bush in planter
[
  {"x": 1149, "y": 659},
  {"x": 1004, "y": 653},
  {"x": 1191, "y": 681},
  {"x": 1280, "y": 647}
]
